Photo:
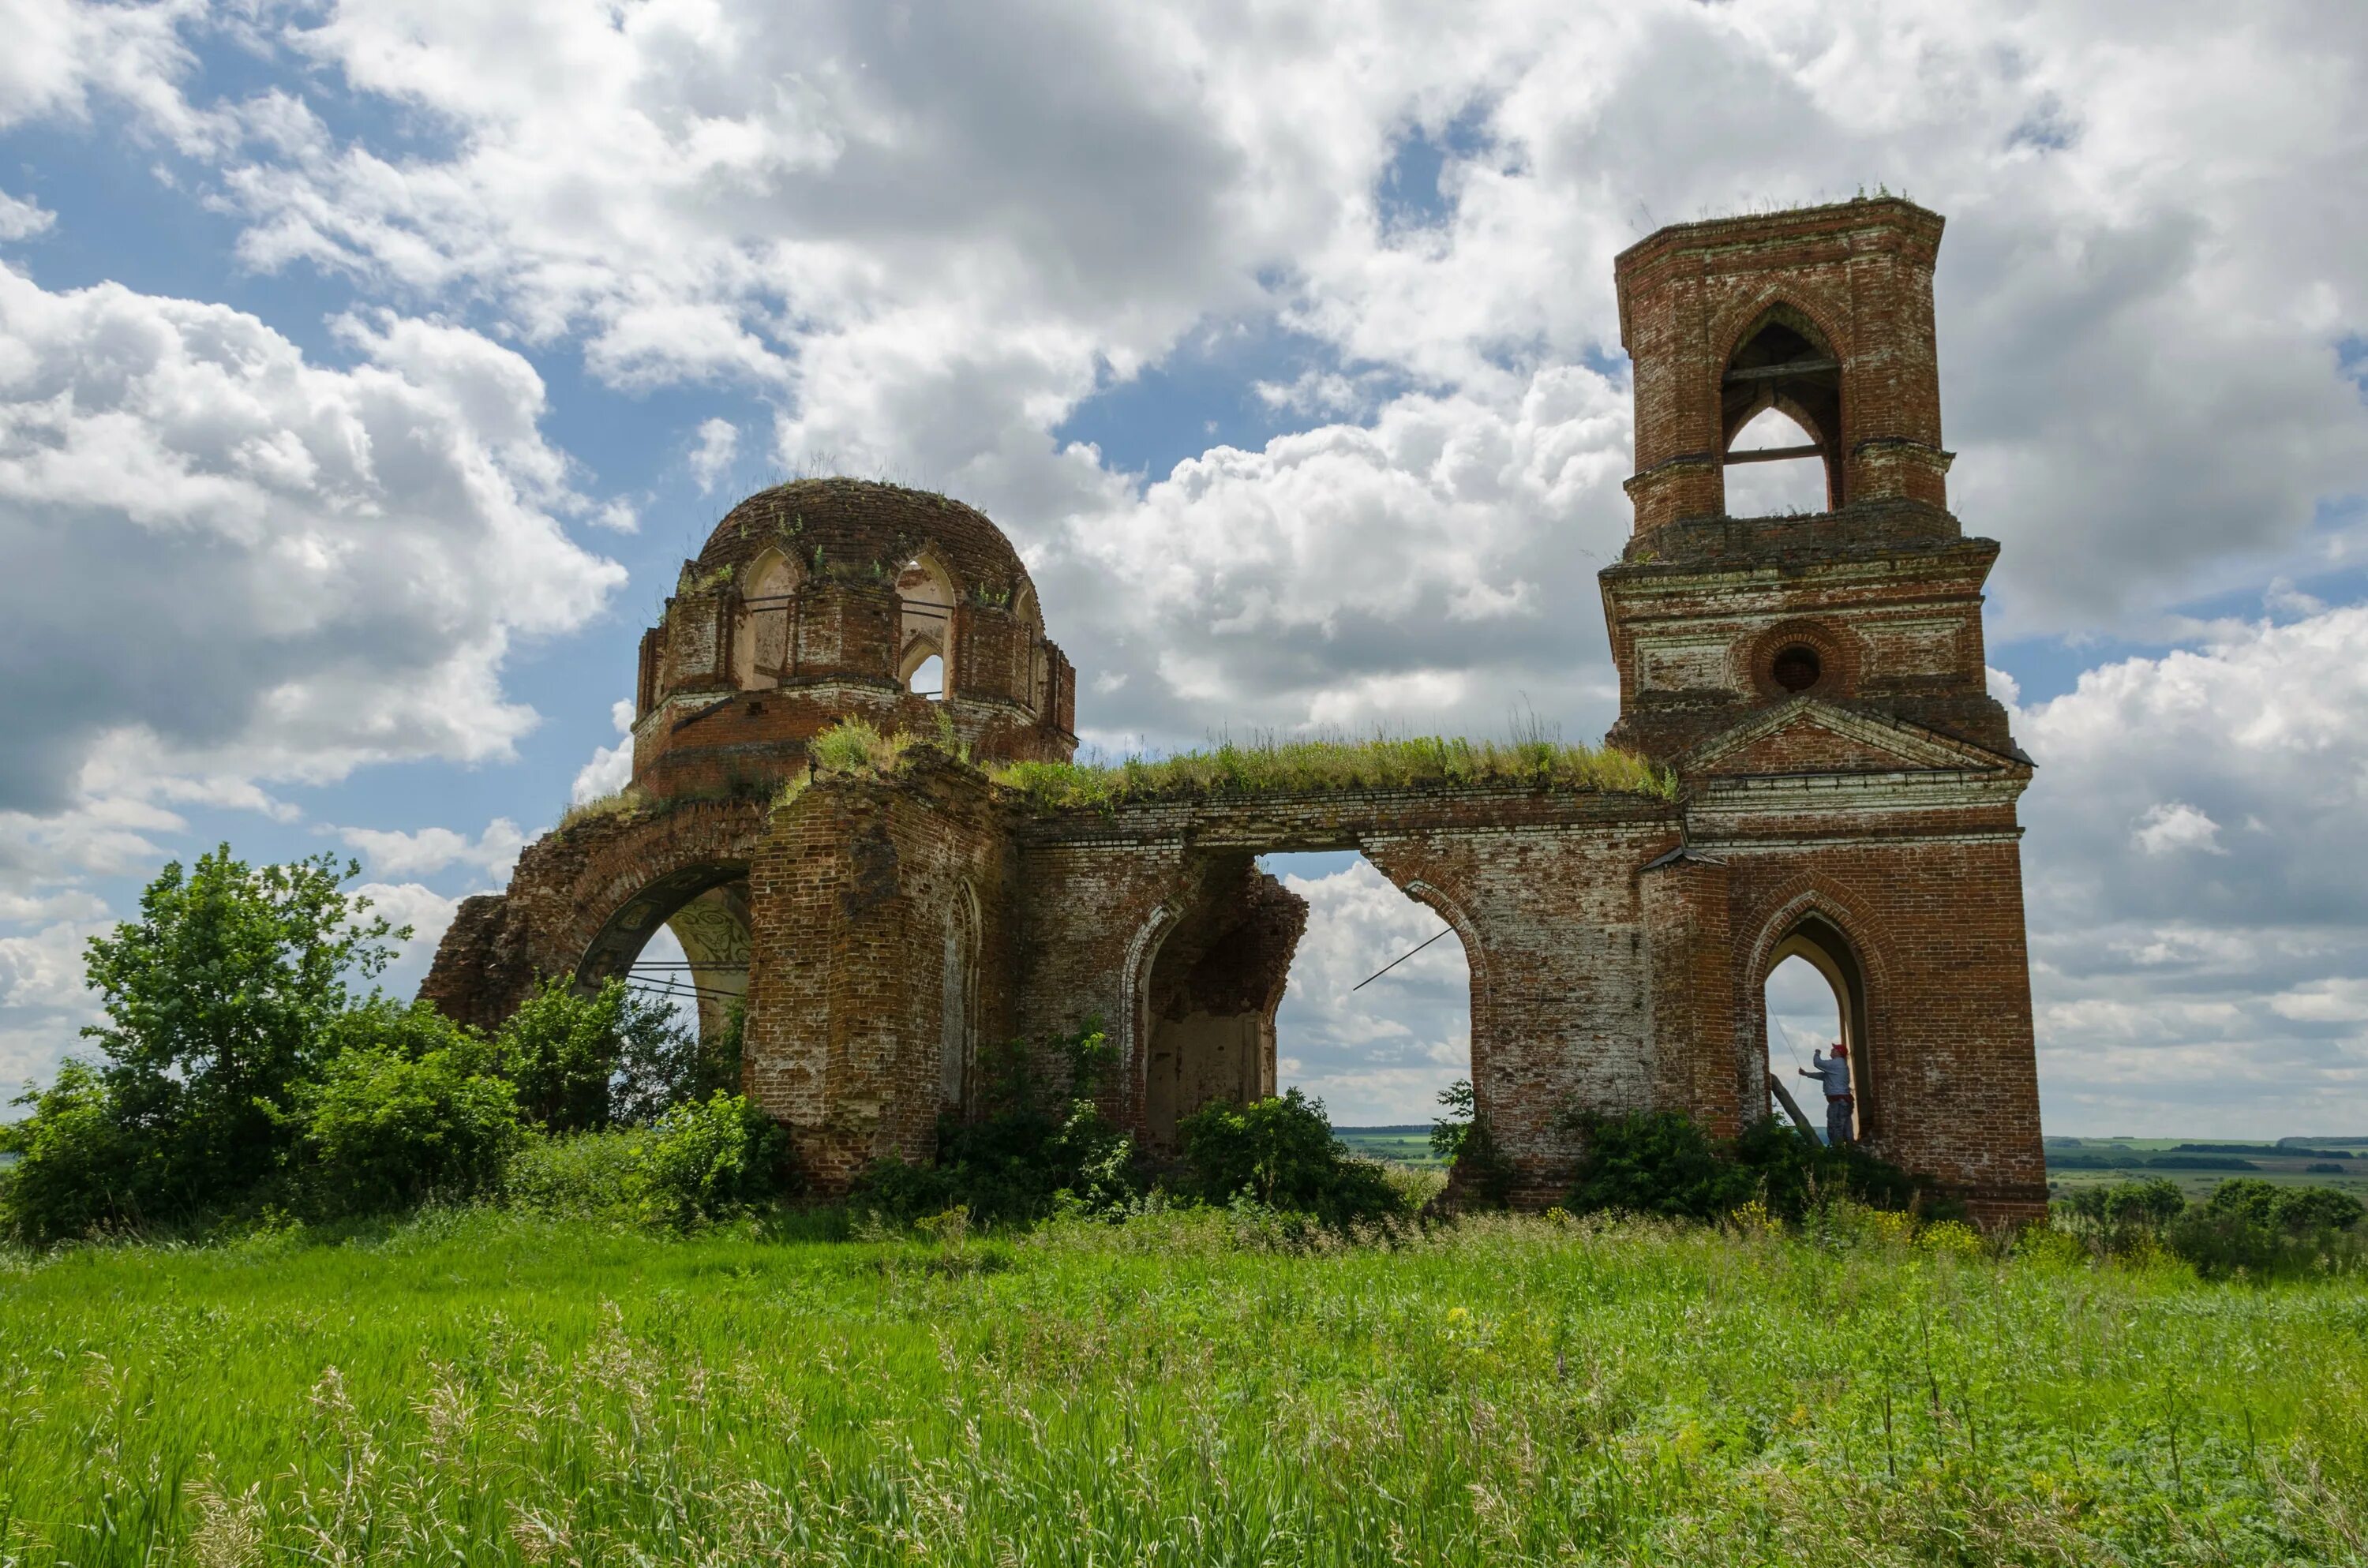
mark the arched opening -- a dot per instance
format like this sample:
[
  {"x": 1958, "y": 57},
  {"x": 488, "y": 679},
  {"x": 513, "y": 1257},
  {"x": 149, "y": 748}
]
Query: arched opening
[
  {"x": 926, "y": 674},
  {"x": 762, "y": 639},
  {"x": 1763, "y": 481},
  {"x": 1036, "y": 673},
  {"x": 1814, "y": 996},
  {"x": 925, "y": 608},
  {"x": 1307, "y": 971},
  {"x": 1780, "y": 409},
  {"x": 684, "y": 938},
  {"x": 1208, "y": 994}
]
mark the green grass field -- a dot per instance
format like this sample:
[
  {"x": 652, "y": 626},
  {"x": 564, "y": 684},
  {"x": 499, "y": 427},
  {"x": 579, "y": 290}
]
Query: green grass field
[
  {"x": 1404, "y": 1146},
  {"x": 2086, "y": 1161},
  {"x": 473, "y": 1388}
]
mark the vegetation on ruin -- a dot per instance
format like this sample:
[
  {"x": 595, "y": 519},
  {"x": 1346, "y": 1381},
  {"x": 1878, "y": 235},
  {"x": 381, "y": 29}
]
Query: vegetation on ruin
[
  {"x": 617, "y": 803},
  {"x": 1274, "y": 765},
  {"x": 239, "y": 1075},
  {"x": 1038, "y": 1146},
  {"x": 474, "y": 1387}
]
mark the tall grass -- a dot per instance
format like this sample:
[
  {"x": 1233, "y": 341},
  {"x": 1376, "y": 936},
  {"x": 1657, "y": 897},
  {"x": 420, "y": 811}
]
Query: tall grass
[
  {"x": 475, "y": 1388},
  {"x": 1271, "y": 765}
]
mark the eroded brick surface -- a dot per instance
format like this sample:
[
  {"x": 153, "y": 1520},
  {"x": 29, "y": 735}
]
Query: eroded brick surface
[{"x": 1847, "y": 793}]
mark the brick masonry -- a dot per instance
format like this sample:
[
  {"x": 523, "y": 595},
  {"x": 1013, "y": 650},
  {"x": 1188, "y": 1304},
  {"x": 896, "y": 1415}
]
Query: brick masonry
[{"x": 1848, "y": 792}]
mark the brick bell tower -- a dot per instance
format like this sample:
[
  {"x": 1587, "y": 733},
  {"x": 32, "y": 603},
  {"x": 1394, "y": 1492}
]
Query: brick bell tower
[{"x": 1818, "y": 683}]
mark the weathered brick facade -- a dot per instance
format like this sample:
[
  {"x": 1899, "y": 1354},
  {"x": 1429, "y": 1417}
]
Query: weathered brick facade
[{"x": 1848, "y": 792}]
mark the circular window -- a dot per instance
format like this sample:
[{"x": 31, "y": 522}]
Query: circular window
[{"x": 1796, "y": 667}]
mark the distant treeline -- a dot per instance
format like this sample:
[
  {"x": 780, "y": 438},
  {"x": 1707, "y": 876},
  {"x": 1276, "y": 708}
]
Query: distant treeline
[
  {"x": 2284, "y": 1149},
  {"x": 2101, "y": 1160}
]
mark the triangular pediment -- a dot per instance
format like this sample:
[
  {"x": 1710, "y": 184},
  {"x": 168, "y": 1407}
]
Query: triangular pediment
[{"x": 1807, "y": 735}]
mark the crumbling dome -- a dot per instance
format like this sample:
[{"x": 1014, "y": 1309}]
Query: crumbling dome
[{"x": 833, "y": 599}]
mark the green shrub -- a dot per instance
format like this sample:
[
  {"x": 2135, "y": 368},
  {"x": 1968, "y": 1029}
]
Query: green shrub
[
  {"x": 1280, "y": 1152},
  {"x": 1662, "y": 1163},
  {"x": 79, "y": 1168},
  {"x": 1037, "y": 1145},
  {"x": 2297, "y": 1210},
  {"x": 1466, "y": 1144},
  {"x": 2258, "y": 1228},
  {"x": 1655, "y": 1163},
  {"x": 408, "y": 1110},
  {"x": 708, "y": 1160},
  {"x": 1793, "y": 1175},
  {"x": 588, "y": 1175},
  {"x": 2246, "y": 1226},
  {"x": 2116, "y": 1216}
]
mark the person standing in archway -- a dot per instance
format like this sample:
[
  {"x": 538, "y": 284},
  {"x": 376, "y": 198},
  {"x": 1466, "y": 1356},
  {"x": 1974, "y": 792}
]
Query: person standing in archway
[{"x": 1834, "y": 1073}]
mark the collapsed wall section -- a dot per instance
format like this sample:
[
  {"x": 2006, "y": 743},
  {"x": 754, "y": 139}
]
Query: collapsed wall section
[{"x": 1211, "y": 995}]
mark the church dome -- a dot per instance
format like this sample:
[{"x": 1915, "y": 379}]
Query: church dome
[{"x": 843, "y": 527}]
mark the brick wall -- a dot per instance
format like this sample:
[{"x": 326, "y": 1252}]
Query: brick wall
[{"x": 855, "y": 892}]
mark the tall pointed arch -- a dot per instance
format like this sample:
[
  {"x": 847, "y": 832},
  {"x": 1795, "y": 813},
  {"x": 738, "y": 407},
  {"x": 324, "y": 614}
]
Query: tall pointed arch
[
  {"x": 1786, "y": 361},
  {"x": 926, "y": 597},
  {"x": 763, "y": 627}
]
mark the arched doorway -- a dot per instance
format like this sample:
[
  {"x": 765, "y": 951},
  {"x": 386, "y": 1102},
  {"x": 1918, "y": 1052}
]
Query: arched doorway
[
  {"x": 1814, "y": 995},
  {"x": 683, "y": 937},
  {"x": 1376, "y": 1017}
]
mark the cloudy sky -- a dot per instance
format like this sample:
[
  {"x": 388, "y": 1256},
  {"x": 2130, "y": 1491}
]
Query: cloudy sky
[{"x": 366, "y": 370}]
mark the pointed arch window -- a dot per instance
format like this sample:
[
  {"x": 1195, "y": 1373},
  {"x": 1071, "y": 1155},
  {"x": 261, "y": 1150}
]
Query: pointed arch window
[
  {"x": 1036, "y": 670},
  {"x": 1781, "y": 404},
  {"x": 763, "y": 630},
  {"x": 924, "y": 609}
]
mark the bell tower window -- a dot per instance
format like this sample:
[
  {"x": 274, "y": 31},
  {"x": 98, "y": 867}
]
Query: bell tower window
[{"x": 1781, "y": 404}]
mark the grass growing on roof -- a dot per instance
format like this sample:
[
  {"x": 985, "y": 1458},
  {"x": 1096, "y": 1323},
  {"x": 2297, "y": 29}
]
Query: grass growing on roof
[{"x": 1273, "y": 765}]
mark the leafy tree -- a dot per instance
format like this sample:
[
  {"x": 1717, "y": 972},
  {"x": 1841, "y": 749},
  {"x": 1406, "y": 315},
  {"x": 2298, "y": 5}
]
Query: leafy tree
[
  {"x": 561, "y": 1050},
  {"x": 661, "y": 1064},
  {"x": 584, "y": 1061},
  {"x": 79, "y": 1169},
  {"x": 1280, "y": 1151},
  {"x": 216, "y": 999}
]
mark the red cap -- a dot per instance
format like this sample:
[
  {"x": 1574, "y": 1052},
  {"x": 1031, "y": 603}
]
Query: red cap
[{"x": 1840, "y": 1050}]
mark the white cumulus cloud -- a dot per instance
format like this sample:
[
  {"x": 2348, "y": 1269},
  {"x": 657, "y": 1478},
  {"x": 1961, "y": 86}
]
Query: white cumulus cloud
[{"x": 266, "y": 567}]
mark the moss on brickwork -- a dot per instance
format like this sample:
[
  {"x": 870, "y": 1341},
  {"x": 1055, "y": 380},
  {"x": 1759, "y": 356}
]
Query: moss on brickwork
[{"x": 1276, "y": 767}]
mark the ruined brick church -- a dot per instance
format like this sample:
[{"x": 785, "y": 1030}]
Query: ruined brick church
[{"x": 1848, "y": 792}]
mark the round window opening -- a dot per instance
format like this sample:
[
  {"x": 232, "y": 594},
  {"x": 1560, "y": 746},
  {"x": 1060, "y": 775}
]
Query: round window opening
[{"x": 1796, "y": 668}]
